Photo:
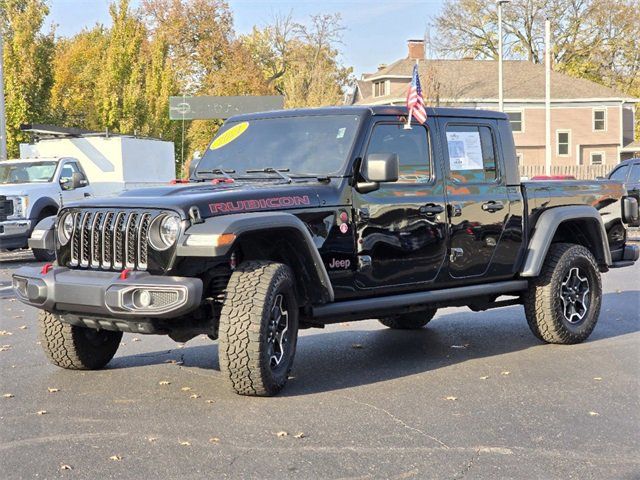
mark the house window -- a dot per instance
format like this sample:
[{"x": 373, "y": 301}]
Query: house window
[
  {"x": 379, "y": 89},
  {"x": 520, "y": 157},
  {"x": 516, "y": 121},
  {"x": 597, "y": 158},
  {"x": 599, "y": 120},
  {"x": 563, "y": 141}
]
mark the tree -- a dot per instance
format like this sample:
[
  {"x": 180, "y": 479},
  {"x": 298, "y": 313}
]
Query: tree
[
  {"x": 27, "y": 61},
  {"x": 120, "y": 86},
  {"x": 593, "y": 39},
  {"x": 77, "y": 66}
]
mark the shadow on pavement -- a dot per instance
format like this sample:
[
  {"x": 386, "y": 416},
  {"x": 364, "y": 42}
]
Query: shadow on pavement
[{"x": 342, "y": 359}]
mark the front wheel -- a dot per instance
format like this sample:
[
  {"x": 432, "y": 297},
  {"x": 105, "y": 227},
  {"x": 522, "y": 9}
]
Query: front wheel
[
  {"x": 562, "y": 305},
  {"x": 258, "y": 328},
  {"x": 76, "y": 348}
]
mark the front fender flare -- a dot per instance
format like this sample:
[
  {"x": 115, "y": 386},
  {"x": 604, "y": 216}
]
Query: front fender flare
[
  {"x": 548, "y": 224},
  {"x": 43, "y": 235},
  {"x": 238, "y": 224}
]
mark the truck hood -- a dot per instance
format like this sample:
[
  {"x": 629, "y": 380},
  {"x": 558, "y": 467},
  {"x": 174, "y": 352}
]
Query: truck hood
[
  {"x": 226, "y": 198},
  {"x": 24, "y": 188}
]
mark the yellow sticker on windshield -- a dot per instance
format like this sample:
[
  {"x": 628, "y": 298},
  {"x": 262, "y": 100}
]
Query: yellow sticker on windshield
[{"x": 229, "y": 136}]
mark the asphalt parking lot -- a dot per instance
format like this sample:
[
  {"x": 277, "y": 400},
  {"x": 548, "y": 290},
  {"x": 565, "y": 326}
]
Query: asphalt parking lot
[{"x": 473, "y": 395}]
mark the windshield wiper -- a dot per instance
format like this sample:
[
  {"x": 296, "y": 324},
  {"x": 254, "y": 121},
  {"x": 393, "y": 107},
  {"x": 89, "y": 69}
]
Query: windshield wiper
[
  {"x": 217, "y": 171},
  {"x": 278, "y": 171}
]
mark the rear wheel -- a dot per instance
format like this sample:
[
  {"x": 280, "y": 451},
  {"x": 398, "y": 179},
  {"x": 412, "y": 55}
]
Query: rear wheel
[
  {"x": 562, "y": 305},
  {"x": 409, "y": 321},
  {"x": 258, "y": 328},
  {"x": 76, "y": 348}
]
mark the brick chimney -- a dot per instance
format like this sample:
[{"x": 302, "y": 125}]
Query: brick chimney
[{"x": 416, "y": 49}]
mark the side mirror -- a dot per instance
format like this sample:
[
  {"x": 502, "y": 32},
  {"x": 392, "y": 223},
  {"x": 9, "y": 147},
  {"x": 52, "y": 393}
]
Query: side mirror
[
  {"x": 379, "y": 168},
  {"x": 78, "y": 180}
]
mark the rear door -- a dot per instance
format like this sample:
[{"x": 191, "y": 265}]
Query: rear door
[
  {"x": 401, "y": 227},
  {"x": 478, "y": 198}
]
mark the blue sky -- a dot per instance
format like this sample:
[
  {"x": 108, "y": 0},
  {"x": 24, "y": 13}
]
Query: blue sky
[{"x": 376, "y": 31}]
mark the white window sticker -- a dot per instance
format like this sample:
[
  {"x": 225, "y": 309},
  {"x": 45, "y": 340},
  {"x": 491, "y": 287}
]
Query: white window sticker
[
  {"x": 465, "y": 151},
  {"x": 341, "y": 132}
]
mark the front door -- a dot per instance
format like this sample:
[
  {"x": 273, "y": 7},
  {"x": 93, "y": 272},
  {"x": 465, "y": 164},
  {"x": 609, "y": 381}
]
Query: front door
[
  {"x": 401, "y": 227},
  {"x": 477, "y": 195},
  {"x": 72, "y": 194}
]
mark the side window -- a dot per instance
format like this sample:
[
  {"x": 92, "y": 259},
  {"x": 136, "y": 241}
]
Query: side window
[
  {"x": 620, "y": 174},
  {"x": 635, "y": 173},
  {"x": 472, "y": 154},
  {"x": 412, "y": 147}
]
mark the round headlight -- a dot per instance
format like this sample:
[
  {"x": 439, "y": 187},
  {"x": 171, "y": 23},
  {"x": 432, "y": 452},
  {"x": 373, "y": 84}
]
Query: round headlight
[
  {"x": 65, "y": 229},
  {"x": 164, "y": 232}
]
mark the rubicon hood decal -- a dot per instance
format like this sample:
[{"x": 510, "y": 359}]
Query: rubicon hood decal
[{"x": 259, "y": 204}]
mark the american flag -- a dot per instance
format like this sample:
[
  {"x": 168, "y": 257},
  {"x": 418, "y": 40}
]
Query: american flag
[{"x": 415, "y": 102}]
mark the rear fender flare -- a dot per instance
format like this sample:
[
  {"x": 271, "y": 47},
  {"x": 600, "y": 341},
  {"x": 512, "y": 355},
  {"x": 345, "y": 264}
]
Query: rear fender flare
[{"x": 546, "y": 227}]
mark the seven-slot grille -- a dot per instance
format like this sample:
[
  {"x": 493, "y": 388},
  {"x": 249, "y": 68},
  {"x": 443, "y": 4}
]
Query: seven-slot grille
[{"x": 109, "y": 240}]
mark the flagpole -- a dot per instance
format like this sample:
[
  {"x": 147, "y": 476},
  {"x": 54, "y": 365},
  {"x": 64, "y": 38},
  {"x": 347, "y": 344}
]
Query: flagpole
[{"x": 407, "y": 126}]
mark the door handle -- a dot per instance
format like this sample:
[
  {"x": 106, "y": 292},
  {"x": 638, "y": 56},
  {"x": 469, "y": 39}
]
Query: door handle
[
  {"x": 86, "y": 194},
  {"x": 492, "y": 206},
  {"x": 431, "y": 209}
]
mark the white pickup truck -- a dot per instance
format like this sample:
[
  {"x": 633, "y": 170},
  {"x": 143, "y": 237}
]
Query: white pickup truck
[
  {"x": 33, "y": 189},
  {"x": 65, "y": 168}
]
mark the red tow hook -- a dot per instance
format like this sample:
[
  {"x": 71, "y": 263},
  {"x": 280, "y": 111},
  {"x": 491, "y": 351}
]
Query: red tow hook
[
  {"x": 46, "y": 268},
  {"x": 124, "y": 274},
  {"x": 216, "y": 181}
]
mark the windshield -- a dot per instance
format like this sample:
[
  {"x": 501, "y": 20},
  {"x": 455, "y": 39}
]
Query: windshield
[
  {"x": 315, "y": 145},
  {"x": 26, "y": 172}
]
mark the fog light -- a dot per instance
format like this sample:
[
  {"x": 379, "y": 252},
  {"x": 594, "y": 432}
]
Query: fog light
[{"x": 143, "y": 299}]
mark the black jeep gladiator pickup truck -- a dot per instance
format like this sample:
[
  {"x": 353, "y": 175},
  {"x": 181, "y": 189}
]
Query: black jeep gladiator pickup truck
[{"x": 301, "y": 218}]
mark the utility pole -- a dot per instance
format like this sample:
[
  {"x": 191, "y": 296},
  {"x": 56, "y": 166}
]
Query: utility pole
[
  {"x": 3, "y": 123},
  {"x": 500, "y": 91},
  {"x": 547, "y": 96}
]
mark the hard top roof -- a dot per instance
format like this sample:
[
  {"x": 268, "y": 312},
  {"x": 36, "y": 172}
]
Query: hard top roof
[{"x": 371, "y": 110}]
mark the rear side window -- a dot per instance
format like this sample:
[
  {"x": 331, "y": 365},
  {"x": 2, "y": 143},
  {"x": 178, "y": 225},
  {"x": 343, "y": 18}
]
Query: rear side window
[
  {"x": 620, "y": 174},
  {"x": 635, "y": 173},
  {"x": 472, "y": 154},
  {"x": 411, "y": 146}
]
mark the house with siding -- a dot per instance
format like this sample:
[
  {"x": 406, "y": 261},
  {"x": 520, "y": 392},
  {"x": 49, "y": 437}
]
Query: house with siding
[{"x": 590, "y": 124}]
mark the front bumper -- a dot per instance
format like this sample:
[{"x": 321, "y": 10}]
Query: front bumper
[
  {"x": 106, "y": 294},
  {"x": 14, "y": 233}
]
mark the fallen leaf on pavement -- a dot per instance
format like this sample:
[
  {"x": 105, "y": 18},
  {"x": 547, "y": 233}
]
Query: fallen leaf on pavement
[
  {"x": 53, "y": 390},
  {"x": 195, "y": 395},
  {"x": 4, "y": 333},
  {"x": 597, "y": 378},
  {"x": 42, "y": 412},
  {"x": 484, "y": 377},
  {"x": 8, "y": 395},
  {"x": 594, "y": 414},
  {"x": 214, "y": 440},
  {"x": 185, "y": 389},
  {"x": 164, "y": 382},
  {"x": 185, "y": 443},
  {"x": 451, "y": 398},
  {"x": 299, "y": 435},
  {"x": 506, "y": 372},
  {"x": 135, "y": 340},
  {"x": 282, "y": 434},
  {"x": 66, "y": 467},
  {"x": 23, "y": 327},
  {"x": 209, "y": 401},
  {"x": 152, "y": 439},
  {"x": 115, "y": 458}
]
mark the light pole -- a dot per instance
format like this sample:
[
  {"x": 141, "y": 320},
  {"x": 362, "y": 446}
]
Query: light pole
[{"x": 500, "y": 94}]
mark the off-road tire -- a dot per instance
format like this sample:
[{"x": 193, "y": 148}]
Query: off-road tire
[
  {"x": 542, "y": 301},
  {"x": 245, "y": 361},
  {"x": 409, "y": 321},
  {"x": 76, "y": 348},
  {"x": 43, "y": 255}
]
